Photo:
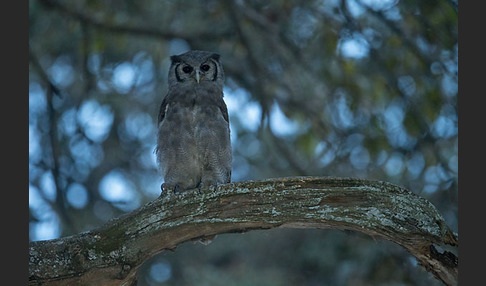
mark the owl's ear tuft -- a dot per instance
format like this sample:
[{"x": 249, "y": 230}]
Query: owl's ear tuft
[
  {"x": 175, "y": 59},
  {"x": 215, "y": 56}
]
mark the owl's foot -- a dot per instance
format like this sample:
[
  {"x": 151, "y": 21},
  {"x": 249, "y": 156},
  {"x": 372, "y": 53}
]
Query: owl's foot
[
  {"x": 169, "y": 188},
  {"x": 199, "y": 189},
  {"x": 207, "y": 185}
]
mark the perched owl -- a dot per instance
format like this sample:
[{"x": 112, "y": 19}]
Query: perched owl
[{"x": 193, "y": 146}]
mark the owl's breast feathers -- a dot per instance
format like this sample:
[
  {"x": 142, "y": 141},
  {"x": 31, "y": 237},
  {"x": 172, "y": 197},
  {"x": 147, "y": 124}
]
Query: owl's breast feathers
[{"x": 190, "y": 98}]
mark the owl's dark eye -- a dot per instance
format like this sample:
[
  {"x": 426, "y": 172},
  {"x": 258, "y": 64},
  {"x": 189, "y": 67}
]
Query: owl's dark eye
[
  {"x": 205, "y": 67},
  {"x": 187, "y": 69}
]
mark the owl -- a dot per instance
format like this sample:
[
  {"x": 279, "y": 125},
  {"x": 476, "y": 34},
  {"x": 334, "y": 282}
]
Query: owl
[{"x": 193, "y": 142}]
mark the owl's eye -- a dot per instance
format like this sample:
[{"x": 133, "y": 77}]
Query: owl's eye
[
  {"x": 187, "y": 69},
  {"x": 205, "y": 67}
]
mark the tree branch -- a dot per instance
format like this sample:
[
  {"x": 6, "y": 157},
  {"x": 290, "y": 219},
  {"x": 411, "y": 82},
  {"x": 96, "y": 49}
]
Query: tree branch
[
  {"x": 111, "y": 254},
  {"x": 132, "y": 30},
  {"x": 52, "y": 89}
]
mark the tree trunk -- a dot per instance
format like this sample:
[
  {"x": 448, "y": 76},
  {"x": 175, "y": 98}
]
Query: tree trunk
[{"x": 111, "y": 254}]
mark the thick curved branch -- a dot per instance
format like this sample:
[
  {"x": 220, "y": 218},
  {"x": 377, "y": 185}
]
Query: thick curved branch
[{"x": 111, "y": 255}]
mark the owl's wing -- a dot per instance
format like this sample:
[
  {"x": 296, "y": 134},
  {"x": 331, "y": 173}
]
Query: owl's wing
[
  {"x": 223, "y": 108},
  {"x": 163, "y": 106}
]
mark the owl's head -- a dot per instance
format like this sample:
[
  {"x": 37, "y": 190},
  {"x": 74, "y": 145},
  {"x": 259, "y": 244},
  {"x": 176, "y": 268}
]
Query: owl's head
[{"x": 196, "y": 67}]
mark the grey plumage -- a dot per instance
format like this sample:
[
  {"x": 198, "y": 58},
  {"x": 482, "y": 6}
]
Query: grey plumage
[{"x": 193, "y": 146}]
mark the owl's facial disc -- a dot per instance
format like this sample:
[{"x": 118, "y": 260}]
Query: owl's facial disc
[{"x": 195, "y": 72}]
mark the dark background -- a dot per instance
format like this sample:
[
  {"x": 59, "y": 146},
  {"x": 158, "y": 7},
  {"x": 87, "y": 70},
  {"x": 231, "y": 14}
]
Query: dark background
[{"x": 337, "y": 88}]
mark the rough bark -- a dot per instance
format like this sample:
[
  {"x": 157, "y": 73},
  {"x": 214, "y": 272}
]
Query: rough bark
[{"x": 111, "y": 254}]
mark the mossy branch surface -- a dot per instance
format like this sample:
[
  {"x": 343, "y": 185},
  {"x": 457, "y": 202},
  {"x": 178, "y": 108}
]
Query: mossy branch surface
[{"x": 111, "y": 254}]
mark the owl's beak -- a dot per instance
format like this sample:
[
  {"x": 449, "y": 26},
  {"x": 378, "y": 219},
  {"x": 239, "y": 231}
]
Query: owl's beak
[{"x": 197, "y": 75}]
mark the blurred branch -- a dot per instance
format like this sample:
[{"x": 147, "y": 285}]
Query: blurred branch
[
  {"x": 407, "y": 40},
  {"x": 139, "y": 31},
  {"x": 258, "y": 85},
  {"x": 52, "y": 90},
  {"x": 42, "y": 73},
  {"x": 89, "y": 81},
  {"x": 111, "y": 254},
  {"x": 289, "y": 54}
]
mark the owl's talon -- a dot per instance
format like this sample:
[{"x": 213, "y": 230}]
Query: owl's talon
[
  {"x": 163, "y": 190},
  {"x": 207, "y": 187},
  {"x": 169, "y": 189},
  {"x": 176, "y": 188}
]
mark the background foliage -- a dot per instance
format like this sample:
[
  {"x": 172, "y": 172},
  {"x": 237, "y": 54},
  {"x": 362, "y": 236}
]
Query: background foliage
[{"x": 354, "y": 88}]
